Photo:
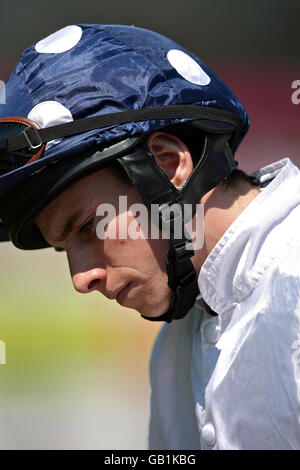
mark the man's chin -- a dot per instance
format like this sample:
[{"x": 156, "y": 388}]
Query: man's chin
[
  {"x": 153, "y": 312},
  {"x": 147, "y": 307},
  {"x": 151, "y": 318}
]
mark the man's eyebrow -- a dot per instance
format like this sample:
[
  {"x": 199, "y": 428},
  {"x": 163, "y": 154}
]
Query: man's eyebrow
[{"x": 68, "y": 226}]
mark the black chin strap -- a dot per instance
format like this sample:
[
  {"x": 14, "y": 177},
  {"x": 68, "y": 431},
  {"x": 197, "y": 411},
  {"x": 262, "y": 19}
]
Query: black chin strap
[
  {"x": 182, "y": 280},
  {"x": 155, "y": 188}
]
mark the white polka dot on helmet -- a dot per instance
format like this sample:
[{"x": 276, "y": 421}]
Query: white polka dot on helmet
[{"x": 60, "y": 41}]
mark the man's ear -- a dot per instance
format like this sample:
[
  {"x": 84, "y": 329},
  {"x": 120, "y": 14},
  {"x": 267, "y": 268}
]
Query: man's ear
[{"x": 172, "y": 156}]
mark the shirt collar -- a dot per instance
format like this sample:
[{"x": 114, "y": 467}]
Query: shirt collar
[{"x": 249, "y": 246}]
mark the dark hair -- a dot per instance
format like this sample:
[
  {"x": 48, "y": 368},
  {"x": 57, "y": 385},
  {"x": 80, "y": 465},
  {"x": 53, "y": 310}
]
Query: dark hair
[
  {"x": 118, "y": 171},
  {"x": 237, "y": 177}
]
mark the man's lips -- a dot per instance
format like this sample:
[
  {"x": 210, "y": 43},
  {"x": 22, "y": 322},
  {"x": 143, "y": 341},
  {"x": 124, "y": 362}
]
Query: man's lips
[
  {"x": 122, "y": 293},
  {"x": 116, "y": 292}
]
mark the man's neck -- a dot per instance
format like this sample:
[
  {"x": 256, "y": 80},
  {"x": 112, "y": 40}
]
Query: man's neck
[{"x": 221, "y": 207}]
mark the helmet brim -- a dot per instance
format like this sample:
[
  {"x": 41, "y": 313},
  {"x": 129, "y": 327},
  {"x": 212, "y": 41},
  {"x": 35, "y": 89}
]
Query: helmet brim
[{"x": 20, "y": 207}]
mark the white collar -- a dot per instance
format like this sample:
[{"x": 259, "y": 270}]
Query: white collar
[{"x": 249, "y": 246}]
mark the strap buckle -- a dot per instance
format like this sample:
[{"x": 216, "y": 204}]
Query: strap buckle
[
  {"x": 31, "y": 146},
  {"x": 180, "y": 252},
  {"x": 169, "y": 213}
]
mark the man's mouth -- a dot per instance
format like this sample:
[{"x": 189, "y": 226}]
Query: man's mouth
[{"x": 122, "y": 293}]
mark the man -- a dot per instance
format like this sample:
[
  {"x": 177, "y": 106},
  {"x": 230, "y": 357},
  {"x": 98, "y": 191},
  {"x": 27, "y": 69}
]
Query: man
[{"x": 125, "y": 112}]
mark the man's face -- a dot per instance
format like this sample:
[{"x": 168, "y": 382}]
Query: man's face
[{"x": 130, "y": 270}]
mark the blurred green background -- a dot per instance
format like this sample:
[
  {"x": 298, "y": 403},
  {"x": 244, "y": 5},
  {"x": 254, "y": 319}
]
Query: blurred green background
[{"x": 77, "y": 366}]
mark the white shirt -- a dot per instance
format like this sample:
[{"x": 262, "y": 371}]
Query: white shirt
[{"x": 232, "y": 381}]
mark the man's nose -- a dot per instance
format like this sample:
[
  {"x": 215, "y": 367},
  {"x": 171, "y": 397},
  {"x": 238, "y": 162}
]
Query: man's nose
[{"x": 89, "y": 280}]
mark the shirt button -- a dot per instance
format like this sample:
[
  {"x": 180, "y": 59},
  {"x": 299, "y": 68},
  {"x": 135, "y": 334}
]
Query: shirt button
[
  {"x": 211, "y": 331},
  {"x": 209, "y": 434}
]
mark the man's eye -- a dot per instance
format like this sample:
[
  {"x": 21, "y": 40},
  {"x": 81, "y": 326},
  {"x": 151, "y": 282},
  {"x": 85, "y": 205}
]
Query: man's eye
[{"x": 86, "y": 228}]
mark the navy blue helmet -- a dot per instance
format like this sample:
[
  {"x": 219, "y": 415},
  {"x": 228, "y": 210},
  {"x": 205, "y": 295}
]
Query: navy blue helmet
[{"x": 89, "y": 94}]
